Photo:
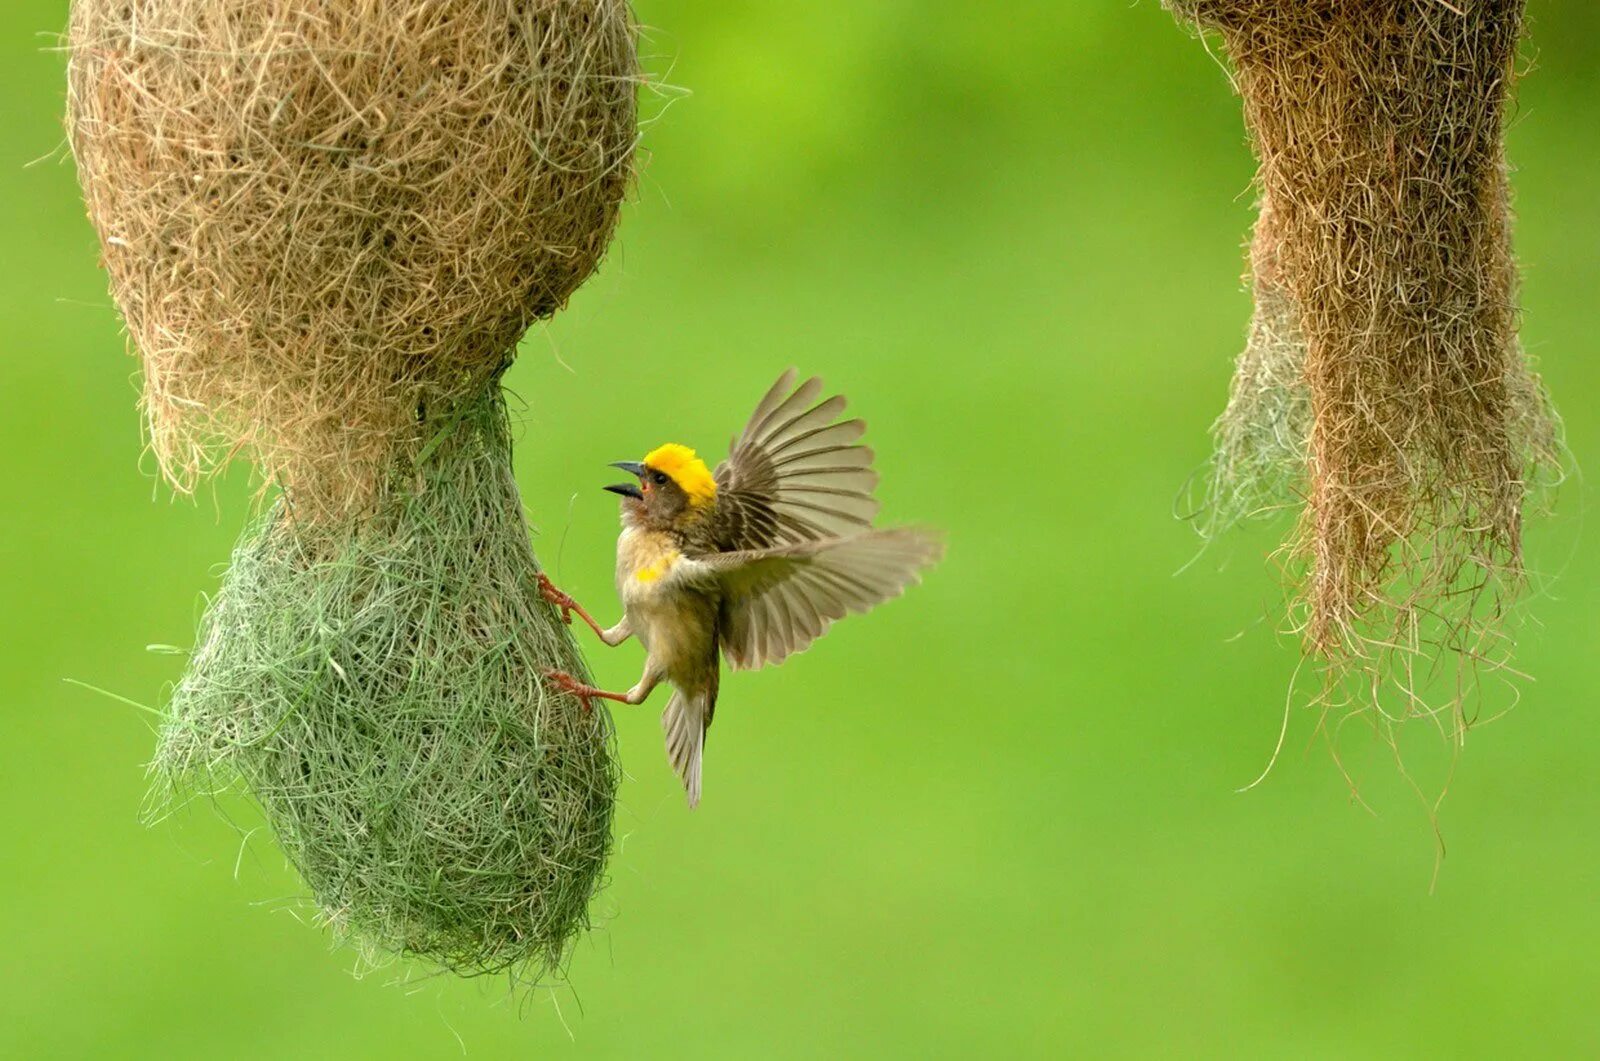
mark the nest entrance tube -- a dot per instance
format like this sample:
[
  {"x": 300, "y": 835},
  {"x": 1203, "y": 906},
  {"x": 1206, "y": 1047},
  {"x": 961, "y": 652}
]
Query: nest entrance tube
[
  {"x": 1383, "y": 383},
  {"x": 379, "y": 689}
]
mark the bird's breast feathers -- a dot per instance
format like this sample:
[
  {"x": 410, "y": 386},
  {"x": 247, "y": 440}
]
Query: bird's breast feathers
[
  {"x": 664, "y": 595},
  {"x": 649, "y": 565}
]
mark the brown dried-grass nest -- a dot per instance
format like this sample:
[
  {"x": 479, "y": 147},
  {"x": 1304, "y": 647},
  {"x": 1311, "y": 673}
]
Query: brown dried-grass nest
[
  {"x": 322, "y": 217},
  {"x": 1383, "y": 383}
]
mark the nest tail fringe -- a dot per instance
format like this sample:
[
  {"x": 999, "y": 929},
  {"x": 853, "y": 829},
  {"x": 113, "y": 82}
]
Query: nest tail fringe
[
  {"x": 378, "y": 687},
  {"x": 322, "y": 218},
  {"x": 1383, "y": 380}
]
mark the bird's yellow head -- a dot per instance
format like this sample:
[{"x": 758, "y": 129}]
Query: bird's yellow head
[
  {"x": 680, "y": 464},
  {"x": 674, "y": 485}
]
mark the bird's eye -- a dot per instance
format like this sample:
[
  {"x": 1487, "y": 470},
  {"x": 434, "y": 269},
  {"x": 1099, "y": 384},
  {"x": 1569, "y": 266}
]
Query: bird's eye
[{"x": 659, "y": 478}]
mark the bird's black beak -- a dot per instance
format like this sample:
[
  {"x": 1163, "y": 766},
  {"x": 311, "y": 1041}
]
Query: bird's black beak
[{"x": 629, "y": 489}]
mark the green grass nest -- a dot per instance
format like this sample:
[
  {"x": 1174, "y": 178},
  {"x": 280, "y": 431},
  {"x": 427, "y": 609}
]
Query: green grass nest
[{"x": 378, "y": 687}]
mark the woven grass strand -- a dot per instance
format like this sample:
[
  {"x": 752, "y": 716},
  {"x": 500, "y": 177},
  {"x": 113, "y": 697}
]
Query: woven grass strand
[
  {"x": 1415, "y": 424},
  {"x": 319, "y": 217},
  {"x": 378, "y": 688}
]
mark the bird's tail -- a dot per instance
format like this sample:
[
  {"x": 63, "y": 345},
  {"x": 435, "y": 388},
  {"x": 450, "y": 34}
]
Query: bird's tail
[{"x": 684, "y": 722}]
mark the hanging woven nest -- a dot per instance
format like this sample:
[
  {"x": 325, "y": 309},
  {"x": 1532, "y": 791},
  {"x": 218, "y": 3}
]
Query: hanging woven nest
[
  {"x": 1383, "y": 385},
  {"x": 327, "y": 225}
]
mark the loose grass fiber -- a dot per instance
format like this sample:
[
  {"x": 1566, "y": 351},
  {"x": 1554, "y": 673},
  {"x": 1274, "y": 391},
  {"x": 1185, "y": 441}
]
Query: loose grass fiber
[
  {"x": 378, "y": 687},
  {"x": 322, "y": 215},
  {"x": 1383, "y": 383}
]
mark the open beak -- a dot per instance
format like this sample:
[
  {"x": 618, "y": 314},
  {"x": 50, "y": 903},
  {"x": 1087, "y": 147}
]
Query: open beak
[{"x": 629, "y": 489}]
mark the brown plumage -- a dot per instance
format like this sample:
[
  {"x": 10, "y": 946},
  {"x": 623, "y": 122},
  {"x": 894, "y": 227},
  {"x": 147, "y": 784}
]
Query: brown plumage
[{"x": 752, "y": 563}]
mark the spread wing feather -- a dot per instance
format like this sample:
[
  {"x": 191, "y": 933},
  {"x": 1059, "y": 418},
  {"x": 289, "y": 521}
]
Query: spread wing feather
[
  {"x": 796, "y": 473},
  {"x": 777, "y": 600}
]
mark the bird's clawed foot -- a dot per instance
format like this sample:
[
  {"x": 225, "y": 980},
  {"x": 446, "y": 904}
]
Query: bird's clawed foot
[
  {"x": 585, "y": 693},
  {"x": 566, "y": 682},
  {"x": 566, "y": 604}
]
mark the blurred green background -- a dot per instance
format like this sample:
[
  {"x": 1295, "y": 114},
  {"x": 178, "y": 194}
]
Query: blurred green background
[{"x": 995, "y": 818}]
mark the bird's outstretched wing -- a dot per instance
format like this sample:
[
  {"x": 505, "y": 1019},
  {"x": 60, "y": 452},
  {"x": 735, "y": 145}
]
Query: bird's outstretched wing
[
  {"x": 776, "y": 601},
  {"x": 795, "y": 474}
]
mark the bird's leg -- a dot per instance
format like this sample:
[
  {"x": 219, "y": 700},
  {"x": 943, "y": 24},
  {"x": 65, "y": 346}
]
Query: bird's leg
[
  {"x": 585, "y": 693},
  {"x": 613, "y": 637}
]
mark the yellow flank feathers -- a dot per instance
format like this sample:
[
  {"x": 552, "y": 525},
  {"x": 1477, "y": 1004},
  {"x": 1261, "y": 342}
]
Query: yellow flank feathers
[
  {"x": 684, "y": 468},
  {"x": 651, "y": 572}
]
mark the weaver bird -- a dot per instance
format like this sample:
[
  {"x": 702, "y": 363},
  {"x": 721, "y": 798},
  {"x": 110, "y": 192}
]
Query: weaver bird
[{"x": 752, "y": 562}]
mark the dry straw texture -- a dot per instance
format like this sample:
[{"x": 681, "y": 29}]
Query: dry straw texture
[
  {"x": 322, "y": 216},
  {"x": 1383, "y": 361},
  {"x": 379, "y": 689}
]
